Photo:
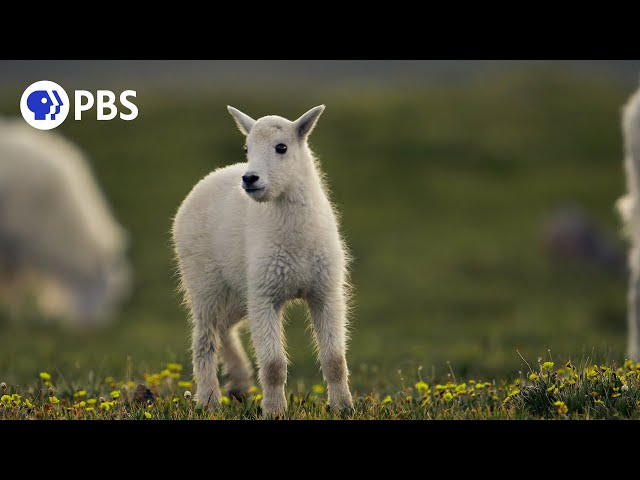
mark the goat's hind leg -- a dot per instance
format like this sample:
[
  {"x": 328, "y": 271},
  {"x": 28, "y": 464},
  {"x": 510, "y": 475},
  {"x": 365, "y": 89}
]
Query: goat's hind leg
[{"x": 236, "y": 364}]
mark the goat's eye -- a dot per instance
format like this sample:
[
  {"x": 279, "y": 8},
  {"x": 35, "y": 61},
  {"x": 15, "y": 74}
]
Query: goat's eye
[
  {"x": 281, "y": 148},
  {"x": 245, "y": 149}
]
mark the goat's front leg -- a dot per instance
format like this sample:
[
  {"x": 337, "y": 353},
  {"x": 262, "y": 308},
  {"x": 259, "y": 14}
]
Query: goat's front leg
[
  {"x": 204, "y": 345},
  {"x": 265, "y": 324},
  {"x": 328, "y": 314}
]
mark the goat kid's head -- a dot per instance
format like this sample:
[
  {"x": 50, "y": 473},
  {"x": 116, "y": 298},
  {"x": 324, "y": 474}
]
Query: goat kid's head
[{"x": 276, "y": 150}]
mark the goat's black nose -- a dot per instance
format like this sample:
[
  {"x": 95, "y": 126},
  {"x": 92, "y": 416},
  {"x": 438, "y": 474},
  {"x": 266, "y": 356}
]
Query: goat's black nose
[{"x": 250, "y": 179}]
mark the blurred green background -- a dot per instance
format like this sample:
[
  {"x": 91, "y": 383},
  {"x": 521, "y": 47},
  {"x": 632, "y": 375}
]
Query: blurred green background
[{"x": 443, "y": 181}]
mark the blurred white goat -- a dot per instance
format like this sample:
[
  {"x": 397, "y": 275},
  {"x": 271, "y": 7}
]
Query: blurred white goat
[
  {"x": 629, "y": 209},
  {"x": 59, "y": 242}
]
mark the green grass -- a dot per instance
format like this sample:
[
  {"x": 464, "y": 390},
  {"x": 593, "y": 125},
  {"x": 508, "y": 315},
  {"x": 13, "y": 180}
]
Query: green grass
[
  {"x": 550, "y": 392},
  {"x": 442, "y": 191}
]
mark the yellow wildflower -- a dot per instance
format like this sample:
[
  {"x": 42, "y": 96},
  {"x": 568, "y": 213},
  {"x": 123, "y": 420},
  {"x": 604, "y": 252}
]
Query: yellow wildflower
[
  {"x": 28, "y": 403},
  {"x": 561, "y": 407},
  {"x": 115, "y": 394},
  {"x": 461, "y": 389},
  {"x": 108, "y": 380},
  {"x": 5, "y": 399},
  {"x": 106, "y": 406},
  {"x": 258, "y": 397},
  {"x": 548, "y": 365},
  {"x": 253, "y": 389},
  {"x": 45, "y": 376},
  {"x": 174, "y": 366},
  {"x": 225, "y": 400},
  {"x": 560, "y": 371},
  {"x": 422, "y": 387},
  {"x": 80, "y": 394},
  {"x": 387, "y": 399},
  {"x": 82, "y": 404},
  {"x": 184, "y": 384},
  {"x": 318, "y": 389},
  {"x": 592, "y": 373},
  {"x": 599, "y": 402},
  {"x": 165, "y": 373},
  {"x": 628, "y": 364},
  {"x": 147, "y": 415},
  {"x": 54, "y": 400},
  {"x": 616, "y": 395},
  {"x": 533, "y": 377},
  {"x": 551, "y": 388},
  {"x": 447, "y": 397},
  {"x": 91, "y": 401},
  {"x": 90, "y": 409},
  {"x": 17, "y": 399}
]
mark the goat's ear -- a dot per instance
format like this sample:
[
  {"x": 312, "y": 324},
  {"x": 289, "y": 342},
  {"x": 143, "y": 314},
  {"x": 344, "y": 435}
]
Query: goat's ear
[
  {"x": 245, "y": 122},
  {"x": 304, "y": 125}
]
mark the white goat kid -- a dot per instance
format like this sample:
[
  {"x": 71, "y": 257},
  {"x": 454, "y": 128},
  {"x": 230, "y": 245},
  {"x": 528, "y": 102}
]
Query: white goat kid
[
  {"x": 629, "y": 209},
  {"x": 250, "y": 237}
]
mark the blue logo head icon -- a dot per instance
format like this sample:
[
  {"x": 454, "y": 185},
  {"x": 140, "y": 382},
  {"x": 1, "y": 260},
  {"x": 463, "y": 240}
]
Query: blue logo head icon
[{"x": 42, "y": 104}]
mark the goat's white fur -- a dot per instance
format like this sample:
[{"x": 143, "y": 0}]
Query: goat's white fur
[
  {"x": 629, "y": 208},
  {"x": 57, "y": 233},
  {"x": 244, "y": 254}
]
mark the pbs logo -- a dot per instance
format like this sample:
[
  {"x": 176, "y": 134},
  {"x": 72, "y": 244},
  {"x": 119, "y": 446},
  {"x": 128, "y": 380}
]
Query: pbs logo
[{"x": 45, "y": 105}]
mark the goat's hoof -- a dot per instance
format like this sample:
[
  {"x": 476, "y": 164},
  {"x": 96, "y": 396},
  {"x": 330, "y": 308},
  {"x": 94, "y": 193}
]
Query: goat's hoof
[
  {"x": 208, "y": 400},
  {"x": 237, "y": 394},
  {"x": 342, "y": 411},
  {"x": 274, "y": 408}
]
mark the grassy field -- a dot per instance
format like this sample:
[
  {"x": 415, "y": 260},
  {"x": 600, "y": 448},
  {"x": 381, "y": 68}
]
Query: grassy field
[
  {"x": 549, "y": 392},
  {"x": 442, "y": 191}
]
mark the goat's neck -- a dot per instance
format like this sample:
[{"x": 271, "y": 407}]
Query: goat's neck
[{"x": 305, "y": 193}]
